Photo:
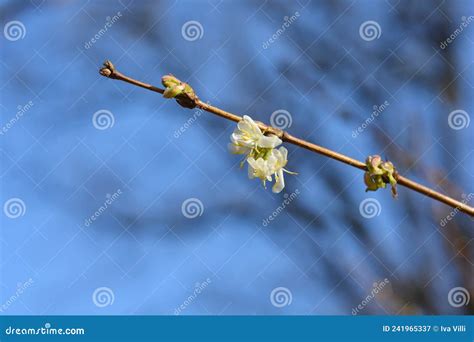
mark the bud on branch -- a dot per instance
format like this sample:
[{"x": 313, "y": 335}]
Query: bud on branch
[{"x": 182, "y": 92}]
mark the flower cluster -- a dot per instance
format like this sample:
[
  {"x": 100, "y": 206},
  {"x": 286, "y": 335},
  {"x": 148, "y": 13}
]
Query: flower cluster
[
  {"x": 263, "y": 158},
  {"x": 380, "y": 173}
]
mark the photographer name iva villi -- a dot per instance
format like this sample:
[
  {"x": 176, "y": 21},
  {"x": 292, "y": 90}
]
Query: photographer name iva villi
[{"x": 424, "y": 328}]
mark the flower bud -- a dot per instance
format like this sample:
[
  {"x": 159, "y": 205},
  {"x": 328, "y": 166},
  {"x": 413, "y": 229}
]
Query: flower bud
[
  {"x": 182, "y": 92},
  {"x": 173, "y": 91},
  {"x": 169, "y": 81},
  {"x": 379, "y": 174},
  {"x": 369, "y": 182},
  {"x": 373, "y": 164}
]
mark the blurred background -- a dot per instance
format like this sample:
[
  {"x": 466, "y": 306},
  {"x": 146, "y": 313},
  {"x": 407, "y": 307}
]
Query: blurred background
[{"x": 116, "y": 201}]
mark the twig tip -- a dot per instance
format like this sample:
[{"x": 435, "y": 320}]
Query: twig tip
[{"x": 108, "y": 69}]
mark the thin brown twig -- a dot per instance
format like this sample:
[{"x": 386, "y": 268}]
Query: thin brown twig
[{"x": 109, "y": 71}]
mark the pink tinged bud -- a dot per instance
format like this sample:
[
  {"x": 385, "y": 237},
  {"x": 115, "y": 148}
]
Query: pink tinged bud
[
  {"x": 375, "y": 161},
  {"x": 379, "y": 174}
]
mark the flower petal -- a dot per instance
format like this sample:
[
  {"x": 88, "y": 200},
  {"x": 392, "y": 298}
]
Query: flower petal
[
  {"x": 249, "y": 126},
  {"x": 269, "y": 141},
  {"x": 251, "y": 170},
  {"x": 279, "y": 182},
  {"x": 236, "y": 149}
]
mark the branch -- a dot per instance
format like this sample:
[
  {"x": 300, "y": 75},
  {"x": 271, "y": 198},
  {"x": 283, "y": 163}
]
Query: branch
[{"x": 193, "y": 101}]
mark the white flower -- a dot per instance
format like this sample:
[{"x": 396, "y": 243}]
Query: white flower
[
  {"x": 272, "y": 165},
  {"x": 259, "y": 168},
  {"x": 265, "y": 161},
  {"x": 248, "y": 136},
  {"x": 281, "y": 156}
]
